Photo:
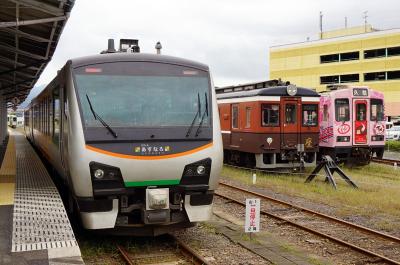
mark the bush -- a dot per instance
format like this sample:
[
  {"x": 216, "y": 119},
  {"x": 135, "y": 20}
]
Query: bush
[{"x": 392, "y": 145}]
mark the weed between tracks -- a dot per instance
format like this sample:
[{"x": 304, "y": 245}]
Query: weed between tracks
[{"x": 378, "y": 194}]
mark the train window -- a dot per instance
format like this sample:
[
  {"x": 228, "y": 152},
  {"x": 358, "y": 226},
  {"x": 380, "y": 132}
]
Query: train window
[
  {"x": 377, "y": 113},
  {"x": 361, "y": 110},
  {"x": 310, "y": 114},
  {"x": 270, "y": 114},
  {"x": 56, "y": 111},
  {"x": 290, "y": 113},
  {"x": 342, "y": 110},
  {"x": 248, "y": 116},
  {"x": 326, "y": 114},
  {"x": 235, "y": 116},
  {"x": 50, "y": 116}
]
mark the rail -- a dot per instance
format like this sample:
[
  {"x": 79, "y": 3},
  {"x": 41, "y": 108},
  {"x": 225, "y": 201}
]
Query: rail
[{"x": 337, "y": 240}]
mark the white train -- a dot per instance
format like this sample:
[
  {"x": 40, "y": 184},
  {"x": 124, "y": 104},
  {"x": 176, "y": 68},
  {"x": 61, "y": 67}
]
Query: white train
[{"x": 135, "y": 137}]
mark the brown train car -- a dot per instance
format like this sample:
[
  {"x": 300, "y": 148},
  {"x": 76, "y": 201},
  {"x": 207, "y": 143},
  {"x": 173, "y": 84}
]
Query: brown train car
[{"x": 269, "y": 125}]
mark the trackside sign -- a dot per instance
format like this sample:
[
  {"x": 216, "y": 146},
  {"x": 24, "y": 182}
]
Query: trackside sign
[{"x": 252, "y": 223}]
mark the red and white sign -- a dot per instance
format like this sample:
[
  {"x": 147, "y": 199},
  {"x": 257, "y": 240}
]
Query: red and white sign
[
  {"x": 379, "y": 129},
  {"x": 252, "y": 223},
  {"x": 343, "y": 129}
]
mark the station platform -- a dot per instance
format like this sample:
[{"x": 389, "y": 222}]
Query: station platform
[{"x": 34, "y": 226}]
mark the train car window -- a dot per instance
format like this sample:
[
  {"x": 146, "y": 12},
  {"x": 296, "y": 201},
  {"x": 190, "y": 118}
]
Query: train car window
[
  {"x": 342, "y": 109},
  {"x": 325, "y": 114},
  {"x": 270, "y": 114},
  {"x": 235, "y": 116},
  {"x": 393, "y": 51},
  {"x": 248, "y": 116},
  {"x": 376, "y": 53},
  {"x": 361, "y": 111},
  {"x": 290, "y": 113},
  {"x": 56, "y": 117},
  {"x": 377, "y": 112},
  {"x": 310, "y": 114}
]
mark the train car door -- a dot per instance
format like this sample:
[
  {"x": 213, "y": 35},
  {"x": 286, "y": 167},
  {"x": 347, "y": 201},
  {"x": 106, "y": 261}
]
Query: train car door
[
  {"x": 290, "y": 122},
  {"x": 360, "y": 121}
]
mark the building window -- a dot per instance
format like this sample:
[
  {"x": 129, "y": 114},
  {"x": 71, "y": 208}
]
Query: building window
[
  {"x": 377, "y": 112},
  {"x": 393, "y": 75},
  {"x": 235, "y": 116},
  {"x": 248, "y": 115},
  {"x": 329, "y": 58},
  {"x": 342, "y": 110},
  {"x": 349, "y": 78},
  {"x": 376, "y": 76},
  {"x": 310, "y": 114},
  {"x": 332, "y": 79},
  {"x": 376, "y": 53},
  {"x": 270, "y": 114},
  {"x": 348, "y": 56},
  {"x": 393, "y": 51}
]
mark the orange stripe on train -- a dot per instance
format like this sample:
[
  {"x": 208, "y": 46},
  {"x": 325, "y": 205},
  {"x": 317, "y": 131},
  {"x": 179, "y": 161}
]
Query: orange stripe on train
[{"x": 149, "y": 157}]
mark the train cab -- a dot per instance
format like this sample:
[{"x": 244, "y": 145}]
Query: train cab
[
  {"x": 269, "y": 124},
  {"x": 352, "y": 123}
]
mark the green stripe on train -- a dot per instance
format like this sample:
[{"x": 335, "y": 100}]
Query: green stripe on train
[{"x": 152, "y": 183}]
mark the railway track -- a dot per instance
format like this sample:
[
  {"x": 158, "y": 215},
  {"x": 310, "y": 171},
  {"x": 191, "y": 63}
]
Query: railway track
[
  {"x": 385, "y": 161},
  {"x": 179, "y": 253},
  {"x": 372, "y": 243}
]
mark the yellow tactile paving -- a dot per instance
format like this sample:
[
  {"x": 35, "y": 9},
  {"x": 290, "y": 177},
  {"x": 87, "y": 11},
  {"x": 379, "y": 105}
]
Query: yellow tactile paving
[
  {"x": 7, "y": 174},
  {"x": 7, "y": 193},
  {"x": 8, "y": 167}
]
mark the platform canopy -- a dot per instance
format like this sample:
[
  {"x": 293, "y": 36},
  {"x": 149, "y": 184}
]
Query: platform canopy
[{"x": 29, "y": 34}]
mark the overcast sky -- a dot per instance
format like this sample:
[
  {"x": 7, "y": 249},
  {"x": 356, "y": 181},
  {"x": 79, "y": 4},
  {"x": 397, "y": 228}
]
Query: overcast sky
[{"x": 231, "y": 36}]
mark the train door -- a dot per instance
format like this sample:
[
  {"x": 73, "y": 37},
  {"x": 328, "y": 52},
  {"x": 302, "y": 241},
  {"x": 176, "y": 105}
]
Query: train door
[
  {"x": 360, "y": 121},
  {"x": 290, "y": 124},
  {"x": 64, "y": 131},
  {"x": 234, "y": 124}
]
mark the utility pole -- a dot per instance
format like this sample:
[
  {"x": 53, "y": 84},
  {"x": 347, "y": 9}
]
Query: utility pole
[
  {"x": 320, "y": 24},
  {"x": 365, "y": 16},
  {"x": 345, "y": 22}
]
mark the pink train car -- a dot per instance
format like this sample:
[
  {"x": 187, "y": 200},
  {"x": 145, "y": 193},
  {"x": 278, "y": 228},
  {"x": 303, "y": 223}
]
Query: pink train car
[{"x": 352, "y": 123}]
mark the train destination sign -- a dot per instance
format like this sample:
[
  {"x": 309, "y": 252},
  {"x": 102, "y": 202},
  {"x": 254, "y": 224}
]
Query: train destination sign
[
  {"x": 252, "y": 223},
  {"x": 360, "y": 92}
]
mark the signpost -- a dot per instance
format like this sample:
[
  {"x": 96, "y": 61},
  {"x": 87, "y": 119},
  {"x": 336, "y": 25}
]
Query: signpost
[{"x": 252, "y": 223}]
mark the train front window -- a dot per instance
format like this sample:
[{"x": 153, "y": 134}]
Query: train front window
[
  {"x": 310, "y": 114},
  {"x": 377, "y": 112},
  {"x": 342, "y": 110},
  {"x": 290, "y": 113},
  {"x": 140, "y": 94},
  {"x": 270, "y": 114},
  {"x": 361, "y": 111}
]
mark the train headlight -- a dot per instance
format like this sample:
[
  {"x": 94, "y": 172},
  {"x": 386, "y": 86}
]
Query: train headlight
[
  {"x": 99, "y": 174},
  {"x": 197, "y": 173},
  {"x": 201, "y": 170},
  {"x": 106, "y": 180}
]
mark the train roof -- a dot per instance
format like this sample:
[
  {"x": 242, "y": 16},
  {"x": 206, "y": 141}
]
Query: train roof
[
  {"x": 135, "y": 57},
  {"x": 269, "y": 91}
]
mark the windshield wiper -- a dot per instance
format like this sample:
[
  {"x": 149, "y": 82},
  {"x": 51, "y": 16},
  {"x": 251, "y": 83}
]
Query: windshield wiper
[
  {"x": 195, "y": 117},
  {"x": 97, "y": 117},
  {"x": 202, "y": 117}
]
